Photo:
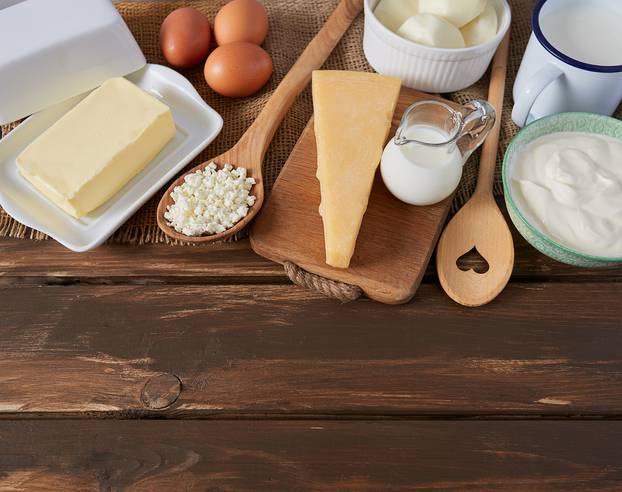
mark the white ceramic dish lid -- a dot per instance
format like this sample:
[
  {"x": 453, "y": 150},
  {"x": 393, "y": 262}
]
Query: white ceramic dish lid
[
  {"x": 197, "y": 125},
  {"x": 54, "y": 50}
]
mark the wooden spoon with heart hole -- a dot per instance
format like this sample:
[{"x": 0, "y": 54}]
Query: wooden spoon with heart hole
[
  {"x": 480, "y": 223},
  {"x": 249, "y": 152}
]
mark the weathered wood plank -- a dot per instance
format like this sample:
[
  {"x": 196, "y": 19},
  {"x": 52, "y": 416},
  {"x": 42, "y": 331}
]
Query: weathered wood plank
[
  {"x": 540, "y": 349},
  {"x": 156, "y": 263},
  {"x": 23, "y": 261},
  {"x": 303, "y": 455}
]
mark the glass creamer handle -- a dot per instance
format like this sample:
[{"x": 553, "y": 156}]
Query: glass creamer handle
[{"x": 478, "y": 120}]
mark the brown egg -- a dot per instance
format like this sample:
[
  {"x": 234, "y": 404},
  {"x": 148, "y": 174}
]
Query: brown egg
[
  {"x": 241, "y": 20},
  {"x": 238, "y": 69},
  {"x": 185, "y": 37}
]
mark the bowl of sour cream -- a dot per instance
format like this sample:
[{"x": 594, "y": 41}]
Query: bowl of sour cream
[{"x": 562, "y": 179}]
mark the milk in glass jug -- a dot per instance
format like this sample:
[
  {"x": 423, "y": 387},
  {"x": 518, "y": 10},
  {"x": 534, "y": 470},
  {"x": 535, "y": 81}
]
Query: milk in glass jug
[{"x": 423, "y": 164}]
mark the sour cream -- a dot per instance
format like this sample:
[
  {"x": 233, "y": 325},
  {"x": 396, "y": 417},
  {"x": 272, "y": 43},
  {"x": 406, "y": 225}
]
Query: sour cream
[{"x": 569, "y": 185}]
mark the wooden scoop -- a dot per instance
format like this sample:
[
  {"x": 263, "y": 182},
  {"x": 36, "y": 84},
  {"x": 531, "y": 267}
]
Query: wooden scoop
[
  {"x": 480, "y": 224},
  {"x": 249, "y": 152}
]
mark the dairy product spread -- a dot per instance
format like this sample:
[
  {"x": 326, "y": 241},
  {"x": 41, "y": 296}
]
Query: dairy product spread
[
  {"x": 96, "y": 148},
  {"x": 570, "y": 186}
]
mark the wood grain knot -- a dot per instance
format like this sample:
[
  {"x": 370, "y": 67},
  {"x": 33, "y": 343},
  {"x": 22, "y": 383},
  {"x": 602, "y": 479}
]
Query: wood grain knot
[{"x": 161, "y": 391}]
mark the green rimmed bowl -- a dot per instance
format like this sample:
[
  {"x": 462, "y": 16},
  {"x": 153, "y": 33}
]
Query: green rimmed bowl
[{"x": 564, "y": 122}]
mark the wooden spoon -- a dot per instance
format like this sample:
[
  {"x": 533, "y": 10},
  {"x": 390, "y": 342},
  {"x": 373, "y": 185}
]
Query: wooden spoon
[
  {"x": 249, "y": 152},
  {"x": 480, "y": 223}
]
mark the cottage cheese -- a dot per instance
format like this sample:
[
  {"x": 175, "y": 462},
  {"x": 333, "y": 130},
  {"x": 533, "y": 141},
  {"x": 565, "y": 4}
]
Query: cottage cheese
[{"x": 210, "y": 201}]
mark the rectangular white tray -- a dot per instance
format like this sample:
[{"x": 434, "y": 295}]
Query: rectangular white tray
[{"x": 197, "y": 125}]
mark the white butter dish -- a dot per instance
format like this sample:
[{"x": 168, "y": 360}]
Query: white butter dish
[
  {"x": 53, "y": 50},
  {"x": 197, "y": 125}
]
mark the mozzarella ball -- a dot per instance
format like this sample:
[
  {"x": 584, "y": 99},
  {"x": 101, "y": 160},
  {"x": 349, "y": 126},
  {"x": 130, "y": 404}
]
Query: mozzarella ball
[
  {"x": 458, "y": 12},
  {"x": 393, "y": 13},
  {"x": 481, "y": 29},
  {"x": 431, "y": 30}
]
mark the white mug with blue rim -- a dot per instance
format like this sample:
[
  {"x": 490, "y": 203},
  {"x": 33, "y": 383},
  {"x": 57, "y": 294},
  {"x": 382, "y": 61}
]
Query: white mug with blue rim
[{"x": 573, "y": 61}]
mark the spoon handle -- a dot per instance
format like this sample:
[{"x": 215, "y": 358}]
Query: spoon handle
[
  {"x": 259, "y": 135},
  {"x": 496, "y": 91}
]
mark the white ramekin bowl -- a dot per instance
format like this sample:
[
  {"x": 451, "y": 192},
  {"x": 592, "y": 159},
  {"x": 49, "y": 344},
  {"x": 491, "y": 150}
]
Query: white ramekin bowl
[{"x": 426, "y": 68}]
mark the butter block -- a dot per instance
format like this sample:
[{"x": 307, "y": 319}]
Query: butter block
[
  {"x": 353, "y": 114},
  {"x": 89, "y": 154}
]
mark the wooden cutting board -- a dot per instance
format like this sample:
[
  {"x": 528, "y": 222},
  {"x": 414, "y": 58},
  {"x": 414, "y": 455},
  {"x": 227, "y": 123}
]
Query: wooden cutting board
[{"x": 395, "y": 241}]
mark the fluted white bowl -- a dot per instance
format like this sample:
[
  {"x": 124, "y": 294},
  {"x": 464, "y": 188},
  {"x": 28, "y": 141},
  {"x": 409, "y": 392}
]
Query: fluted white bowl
[{"x": 426, "y": 68}]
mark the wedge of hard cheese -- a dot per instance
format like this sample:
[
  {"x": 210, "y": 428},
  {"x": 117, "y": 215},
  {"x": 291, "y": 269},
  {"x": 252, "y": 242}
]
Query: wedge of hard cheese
[
  {"x": 353, "y": 113},
  {"x": 96, "y": 148}
]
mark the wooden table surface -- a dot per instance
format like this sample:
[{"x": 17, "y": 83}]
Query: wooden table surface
[
  {"x": 203, "y": 368},
  {"x": 163, "y": 368}
]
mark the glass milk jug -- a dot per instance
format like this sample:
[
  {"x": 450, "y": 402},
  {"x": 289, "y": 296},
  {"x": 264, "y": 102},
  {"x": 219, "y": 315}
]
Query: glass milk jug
[{"x": 423, "y": 164}]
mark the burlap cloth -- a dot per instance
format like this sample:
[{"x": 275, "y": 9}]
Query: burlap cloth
[{"x": 293, "y": 23}]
